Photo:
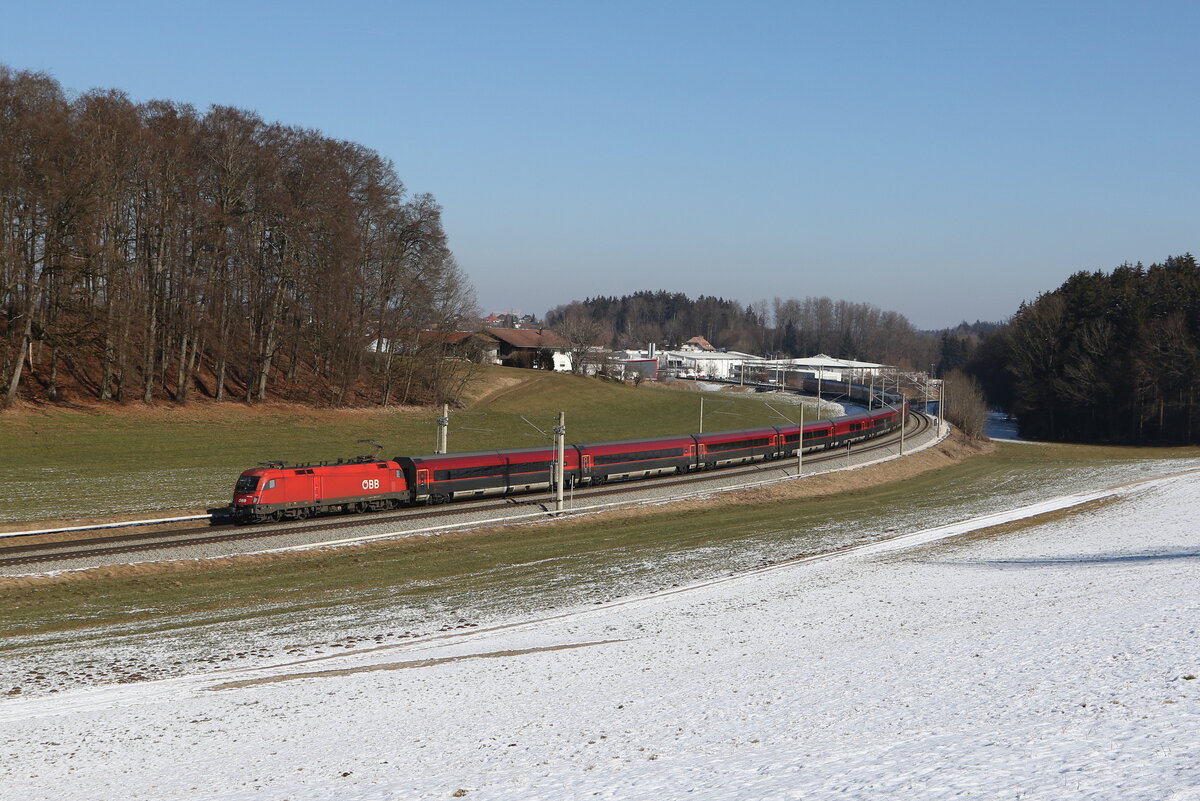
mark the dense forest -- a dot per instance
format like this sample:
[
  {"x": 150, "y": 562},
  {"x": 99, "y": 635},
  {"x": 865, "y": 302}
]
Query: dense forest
[
  {"x": 1106, "y": 357},
  {"x": 784, "y": 328},
  {"x": 148, "y": 251},
  {"x": 1111, "y": 357}
]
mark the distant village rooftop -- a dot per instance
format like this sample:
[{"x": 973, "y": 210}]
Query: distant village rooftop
[
  {"x": 698, "y": 343},
  {"x": 529, "y": 338}
]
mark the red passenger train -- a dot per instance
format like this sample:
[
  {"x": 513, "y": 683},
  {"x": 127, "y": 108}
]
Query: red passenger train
[{"x": 277, "y": 492}]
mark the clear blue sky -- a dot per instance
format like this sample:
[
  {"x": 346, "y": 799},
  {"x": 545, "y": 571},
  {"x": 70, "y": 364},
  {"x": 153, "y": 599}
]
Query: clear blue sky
[{"x": 945, "y": 160}]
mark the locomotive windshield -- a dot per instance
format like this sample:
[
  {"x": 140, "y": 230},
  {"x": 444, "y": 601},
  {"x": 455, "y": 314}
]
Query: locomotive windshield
[{"x": 246, "y": 484}]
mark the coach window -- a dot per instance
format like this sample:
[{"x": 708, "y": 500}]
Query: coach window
[{"x": 270, "y": 485}]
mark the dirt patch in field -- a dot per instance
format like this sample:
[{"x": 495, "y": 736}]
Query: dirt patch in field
[
  {"x": 1013, "y": 526},
  {"x": 488, "y": 388},
  {"x": 952, "y": 451}
]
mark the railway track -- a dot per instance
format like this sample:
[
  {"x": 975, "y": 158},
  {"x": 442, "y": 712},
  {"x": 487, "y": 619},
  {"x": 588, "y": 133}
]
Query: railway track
[{"x": 144, "y": 542}]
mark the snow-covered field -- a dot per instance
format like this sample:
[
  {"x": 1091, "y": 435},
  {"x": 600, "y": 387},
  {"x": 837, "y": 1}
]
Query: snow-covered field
[{"x": 1054, "y": 662}]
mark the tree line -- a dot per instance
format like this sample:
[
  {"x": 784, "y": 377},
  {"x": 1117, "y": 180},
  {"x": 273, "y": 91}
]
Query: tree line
[
  {"x": 148, "y": 251},
  {"x": 1106, "y": 357},
  {"x": 784, "y": 328}
]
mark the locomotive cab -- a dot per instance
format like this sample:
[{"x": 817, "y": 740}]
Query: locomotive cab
[{"x": 258, "y": 495}]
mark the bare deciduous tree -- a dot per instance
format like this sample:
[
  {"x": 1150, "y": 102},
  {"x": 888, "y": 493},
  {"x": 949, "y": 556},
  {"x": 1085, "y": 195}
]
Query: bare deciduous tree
[
  {"x": 966, "y": 406},
  {"x": 149, "y": 251},
  {"x": 584, "y": 334}
]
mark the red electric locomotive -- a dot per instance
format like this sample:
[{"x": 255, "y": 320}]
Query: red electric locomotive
[{"x": 275, "y": 492}]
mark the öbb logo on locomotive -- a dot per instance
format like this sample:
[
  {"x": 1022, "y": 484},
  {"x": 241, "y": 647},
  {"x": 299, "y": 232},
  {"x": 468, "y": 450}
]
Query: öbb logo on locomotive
[{"x": 278, "y": 492}]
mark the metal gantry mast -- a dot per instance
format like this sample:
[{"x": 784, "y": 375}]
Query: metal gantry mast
[
  {"x": 443, "y": 431},
  {"x": 800, "y": 444},
  {"x": 560, "y": 439}
]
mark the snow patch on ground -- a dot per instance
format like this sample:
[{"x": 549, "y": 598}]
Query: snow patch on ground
[{"x": 1055, "y": 662}]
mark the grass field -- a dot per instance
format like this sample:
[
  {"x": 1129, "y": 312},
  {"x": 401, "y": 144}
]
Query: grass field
[
  {"x": 135, "y": 460},
  {"x": 562, "y": 562}
]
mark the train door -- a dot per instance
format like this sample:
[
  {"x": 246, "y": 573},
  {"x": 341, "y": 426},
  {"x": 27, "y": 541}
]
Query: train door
[
  {"x": 585, "y": 465},
  {"x": 316, "y": 485}
]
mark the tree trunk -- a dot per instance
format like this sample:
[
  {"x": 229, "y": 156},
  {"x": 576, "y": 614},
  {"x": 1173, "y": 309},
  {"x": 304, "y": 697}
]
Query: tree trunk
[
  {"x": 106, "y": 378},
  {"x": 148, "y": 363},
  {"x": 19, "y": 362},
  {"x": 222, "y": 345},
  {"x": 269, "y": 345},
  {"x": 387, "y": 377},
  {"x": 181, "y": 373},
  {"x": 122, "y": 361},
  {"x": 293, "y": 359},
  {"x": 52, "y": 384}
]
